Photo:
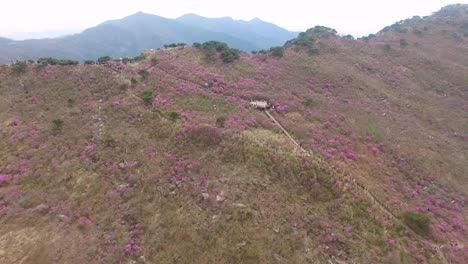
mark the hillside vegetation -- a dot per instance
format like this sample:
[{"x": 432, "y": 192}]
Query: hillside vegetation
[{"x": 162, "y": 160}]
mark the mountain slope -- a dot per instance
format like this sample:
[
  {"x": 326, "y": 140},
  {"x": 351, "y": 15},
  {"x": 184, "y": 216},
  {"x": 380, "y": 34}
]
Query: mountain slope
[
  {"x": 108, "y": 164},
  {"x": 132, "y": 35},
  {"x": 256, "y": 30}
]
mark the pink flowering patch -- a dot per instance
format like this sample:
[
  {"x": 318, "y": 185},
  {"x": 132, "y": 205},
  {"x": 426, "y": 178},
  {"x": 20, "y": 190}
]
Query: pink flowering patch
[
  {"x": 348, "y": 230},
  {"x": 5, "y": 179},
  {"x": 90, "y": 148},
  {"x": 186, "y": 88},
  {"x": 327, "y": 125},
  {"x": 350, "y": 154},
  {"x": 117, "y": 102},
  {"x": 279, "y": 107},
  {"x": 84, "y": 221},
  {"x": 132, "y": 247},
  {"x": 160, "y": 101}
]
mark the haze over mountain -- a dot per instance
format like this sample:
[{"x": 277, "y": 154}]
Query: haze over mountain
[
  {"x": 42, "y": 34},
  {"x": 360, "y": 155},
  {"x": 133, "y": 34}
]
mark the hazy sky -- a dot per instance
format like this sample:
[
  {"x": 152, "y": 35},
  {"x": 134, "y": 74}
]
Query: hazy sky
[{"x": 357, "y": 17}]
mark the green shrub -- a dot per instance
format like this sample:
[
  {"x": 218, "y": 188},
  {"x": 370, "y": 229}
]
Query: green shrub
[
  {"x": 19, "y": 67},
  {"x": 227, "y": 55},
  {"x": 175, "y": 45},
  {"x": 104, "y": 59},
  {"x": 216, "y": 45},
  {"x": 133, "y": 81},
  {"x": 220, "y": 121},
  {"x": 350, "y": 37},
  {"x": 230, "y": 55},
  {"x": 197, "y": 44},
  {"x": 147, "y": 97},
  {"x": 89, "y": 62},
  {"x": 52, "y": 61},
  {"x": 277, "y": 51},
  {"x": 419, "y": 223},
  {"x": 67, "y": 62}
]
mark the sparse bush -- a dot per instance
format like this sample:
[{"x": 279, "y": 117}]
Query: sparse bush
[
  {"x": 387, "y": 47},
  {"x": 109, "y": 141},
  {"x": 126, "y": 60},
  {"x": 70, "y": 102},
  {"x": 173, "y": 116},
  {"x": 368, "y": 37},
  {"x": 123, "y": 87},
  {"x": 144, "y": 74},
  {"x": 311, "y": 102},
  {"x": 133, "y": 81},
  {"x": 204, "y": 135},
  {"x": 19, "y": 67},
  {"x": 197, "y": 44},
  {"x": 403, "y": 42},
  {"x": 419, "y": 223},
  {"x": 277, "y": 51},
  {"x": 417, "y": 32},
  {"x": 147, "y": 97},
  {"x": 57, "y": 125},
  {"x": 400, "y": 29},
  {"x": 47, "y": 61},
  {"x": 304, "y": 40},
  {"x": 89, "y": 62},
  {"x": 140, "y": 57},
  {"x": 220, "y": 121},
  {"x": 104, "y": 59},
  {"x": 350, "y": 37},
  {"x": 154, "y": 60}
]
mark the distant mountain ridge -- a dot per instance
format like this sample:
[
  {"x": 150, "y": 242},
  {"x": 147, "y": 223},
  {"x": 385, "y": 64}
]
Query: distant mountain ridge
[{"x": 131, "y": 35}]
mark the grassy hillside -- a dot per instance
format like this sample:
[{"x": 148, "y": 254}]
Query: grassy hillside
[{"x": 163, "y": 161}]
